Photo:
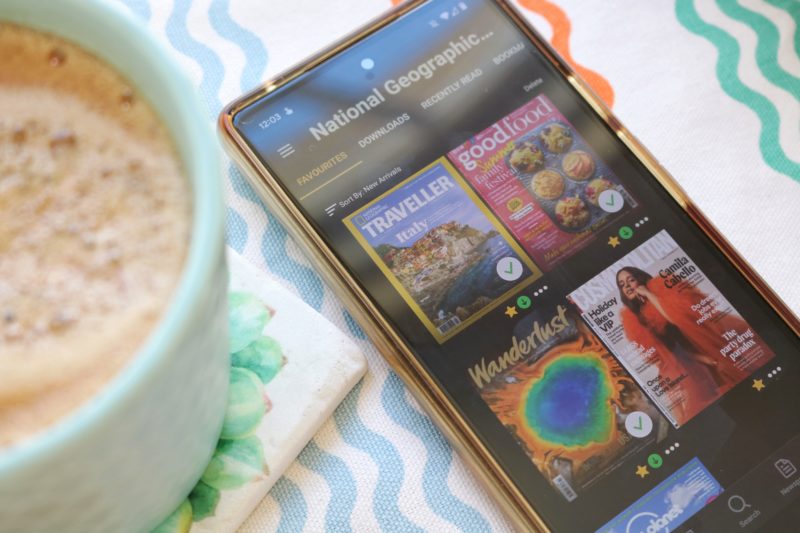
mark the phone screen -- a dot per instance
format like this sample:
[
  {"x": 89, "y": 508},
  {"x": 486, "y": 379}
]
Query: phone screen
[{"x": 613, "y": 361}]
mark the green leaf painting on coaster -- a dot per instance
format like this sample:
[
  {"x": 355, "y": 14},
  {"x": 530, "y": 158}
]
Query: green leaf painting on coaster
[
  {"x": 204, "y": 500},
  {"x": 263, "y": 356},
  {"x": 235, "y": 463},
  {"x": 180, "y": 521},
  {"x": 239, "y": 458},
  {"x": 247, "y": 317},
  {"x": 246, "y": 404}
]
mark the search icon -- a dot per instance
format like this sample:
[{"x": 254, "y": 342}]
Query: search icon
[{"x": 737, "y": 504}]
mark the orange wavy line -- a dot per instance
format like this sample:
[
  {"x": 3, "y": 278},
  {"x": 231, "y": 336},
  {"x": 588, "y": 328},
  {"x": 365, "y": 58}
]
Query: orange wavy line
[{"x": 560, "y": 41}]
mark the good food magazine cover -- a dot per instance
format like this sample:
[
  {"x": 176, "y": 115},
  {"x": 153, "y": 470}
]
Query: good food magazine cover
[
  {"x": 440, "y": 248},
  {"x": 671, "y": 327},
  {"x": 565, "y": 399},
  {"x": 542, "y": 180}
]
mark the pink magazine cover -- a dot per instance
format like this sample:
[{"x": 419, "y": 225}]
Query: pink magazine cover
[{"x": 543, "y": 181}]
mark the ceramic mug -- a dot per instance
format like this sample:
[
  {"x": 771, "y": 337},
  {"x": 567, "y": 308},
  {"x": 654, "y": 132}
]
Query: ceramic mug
[{"x": 128, "y": 458}]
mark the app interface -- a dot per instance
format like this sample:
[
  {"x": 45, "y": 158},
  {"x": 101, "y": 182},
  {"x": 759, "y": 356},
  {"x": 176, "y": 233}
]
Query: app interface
[{"x": 618, "y": 367}]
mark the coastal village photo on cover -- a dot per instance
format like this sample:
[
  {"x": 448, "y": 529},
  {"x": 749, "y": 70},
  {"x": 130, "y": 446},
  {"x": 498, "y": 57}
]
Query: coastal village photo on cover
[{"x": 439, "y": 247}]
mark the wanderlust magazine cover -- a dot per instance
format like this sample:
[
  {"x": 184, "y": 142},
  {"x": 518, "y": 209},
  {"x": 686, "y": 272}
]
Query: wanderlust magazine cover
[
  {"x": 565, "y": 399},
  {"x": 543, "y": 181},
  {"x": 439, "y": 247},
  {"x": 671, "y": 327}
]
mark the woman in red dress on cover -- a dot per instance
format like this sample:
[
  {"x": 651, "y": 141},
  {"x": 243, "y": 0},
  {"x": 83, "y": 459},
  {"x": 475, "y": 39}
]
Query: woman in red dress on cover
[{"x": 662, "y": 318}]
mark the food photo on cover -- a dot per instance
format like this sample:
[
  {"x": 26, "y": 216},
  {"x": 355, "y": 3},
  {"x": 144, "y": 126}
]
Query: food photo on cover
[{"x": 434, "y": 265}]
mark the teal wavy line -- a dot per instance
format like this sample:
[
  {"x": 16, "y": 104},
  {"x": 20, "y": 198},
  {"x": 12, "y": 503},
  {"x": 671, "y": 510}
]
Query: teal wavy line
[
  {"x": 767, "y": 45},
  {"x": 792, "y": 7},
  {"x": 727, "y": 61}
]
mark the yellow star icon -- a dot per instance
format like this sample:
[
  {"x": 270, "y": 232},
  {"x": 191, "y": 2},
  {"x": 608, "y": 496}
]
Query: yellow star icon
[
  {"x": 613, "y": 242},
  {"x": 758, "y": 384},
  {"x": 511, "y": 311},
  {"x": 642, "y": 471}
]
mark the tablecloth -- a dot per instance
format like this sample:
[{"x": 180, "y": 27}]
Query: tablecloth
[{"x": 712, "y": 88}]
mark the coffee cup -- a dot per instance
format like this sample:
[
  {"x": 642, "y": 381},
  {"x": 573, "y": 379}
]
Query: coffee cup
[{"x": 124, "y": 460}]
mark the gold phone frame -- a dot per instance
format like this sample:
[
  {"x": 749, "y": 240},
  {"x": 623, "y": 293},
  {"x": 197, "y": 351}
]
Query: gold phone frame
[{"x": 518, "y": 509}]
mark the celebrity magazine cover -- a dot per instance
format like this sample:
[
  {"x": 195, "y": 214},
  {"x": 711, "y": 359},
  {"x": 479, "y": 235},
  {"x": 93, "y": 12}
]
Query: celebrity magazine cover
[
  {"x": 671, "y": 327},
  {"x": 543, "y": 181},
  {"x": 441, "y": 249},
  {"x": 565, "y": 399}
]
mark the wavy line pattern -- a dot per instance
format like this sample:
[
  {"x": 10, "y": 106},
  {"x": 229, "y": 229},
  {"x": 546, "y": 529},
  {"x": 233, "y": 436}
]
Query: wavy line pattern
[
  {"x": 437, "y": 464},
  {"x": 766, "y": 47},
  {"x": 294, "y": 511},
  {"x": 141, "y": 8},
  {"x": 727, "y": 63},
  {"x": 274, "y": 240},
  {"x": 255, "y": 53},
  {"x": 562, "y": 29},
  {"x": 353, "y": 326},
  {"x": 341, "y": 483},
  {"x": 235, "y": 229},
  {"x": 204, "y": 56},
  {"x": 389, "y": 462},
  {"x": 273, "y": 249},
  {"x": 793, "y": 8}
]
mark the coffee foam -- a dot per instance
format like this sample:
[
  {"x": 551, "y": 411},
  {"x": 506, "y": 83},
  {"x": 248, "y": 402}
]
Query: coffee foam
[{"x": 94, "y": 227}]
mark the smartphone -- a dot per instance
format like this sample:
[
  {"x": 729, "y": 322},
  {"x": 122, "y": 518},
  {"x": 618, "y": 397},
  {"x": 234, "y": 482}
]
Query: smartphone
[{"x": 595, "y": 350}]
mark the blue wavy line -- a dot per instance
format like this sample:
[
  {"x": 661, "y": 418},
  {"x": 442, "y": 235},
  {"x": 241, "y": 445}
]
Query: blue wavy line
[
  {"x": 254, "y": 51},
  {"x": 210, "y": 64},
  {"x": 767, "y": 45},
  {"x": 273, "y": 244},
  {"x": 140, "y": 8},
  {"x": 437, "y": 465},
  {"x": 235, "y": 229},
  {"x": 727, "y": 62},
  {"x": 388, "y": 460},
  {"x": 243, "y": 187},
  {"x": 340, "y": 482},
  {"x": 353, "y": 326},
  {"x": 294, "y": 511},
  {"x": 273, "y": 249}
]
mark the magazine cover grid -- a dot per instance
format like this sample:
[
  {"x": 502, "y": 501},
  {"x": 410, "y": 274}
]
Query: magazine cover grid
[{"x": 441, "y": 249}]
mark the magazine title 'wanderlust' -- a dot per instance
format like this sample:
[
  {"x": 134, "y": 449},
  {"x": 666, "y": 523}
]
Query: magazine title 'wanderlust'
[{"x": 484, "y": 372}]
